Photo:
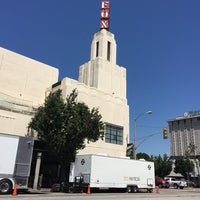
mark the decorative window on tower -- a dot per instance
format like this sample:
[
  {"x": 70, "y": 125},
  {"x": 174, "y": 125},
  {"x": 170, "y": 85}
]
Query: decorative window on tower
[
  {"x": 108, "y": 51},
  {"x": 114, "y": 134},
  {"x": 97, "y": 49}
]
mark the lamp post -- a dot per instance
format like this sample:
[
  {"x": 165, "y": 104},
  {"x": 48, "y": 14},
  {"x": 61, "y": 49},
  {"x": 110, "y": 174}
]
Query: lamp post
[{"x": 135, "y": 120}]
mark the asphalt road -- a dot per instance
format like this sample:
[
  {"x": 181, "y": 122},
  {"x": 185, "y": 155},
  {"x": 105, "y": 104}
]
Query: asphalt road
[{"x": 169, "y": 194}]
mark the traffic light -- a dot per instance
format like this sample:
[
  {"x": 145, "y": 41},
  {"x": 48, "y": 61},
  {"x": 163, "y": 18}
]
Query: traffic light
[
  {"x": 165, "y": 133},
  {"x": 129, "y": 150}
]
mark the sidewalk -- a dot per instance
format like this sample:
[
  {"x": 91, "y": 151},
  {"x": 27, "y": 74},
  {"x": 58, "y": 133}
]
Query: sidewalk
[{"x": 39, "y": 191}]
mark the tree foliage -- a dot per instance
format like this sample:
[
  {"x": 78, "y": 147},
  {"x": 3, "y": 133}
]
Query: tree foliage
[
  {"x": 184, "y": 167},
  {"x": 143, "y": 156},
  {"x": 66, "y": 125},
  {"x": 190, "y": 150},
  {"x": 163, "y": 165}
]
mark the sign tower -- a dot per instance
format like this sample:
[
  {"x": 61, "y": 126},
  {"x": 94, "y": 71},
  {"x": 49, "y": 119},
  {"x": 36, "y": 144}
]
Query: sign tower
[{"x": 105, "y": 15}]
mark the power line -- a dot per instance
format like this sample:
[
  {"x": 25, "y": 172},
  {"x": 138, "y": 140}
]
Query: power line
[
  {"x": 148, "y": 136},
  {"x": 148, "y": 126}
]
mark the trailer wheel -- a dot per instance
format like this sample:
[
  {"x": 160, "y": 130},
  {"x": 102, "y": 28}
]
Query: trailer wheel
[
  {"x": 129, "y": 189},
  {"x": 150, "y": 190},
  {"x": 5, "y": 186},
  {"x": 134, "y": 189}
]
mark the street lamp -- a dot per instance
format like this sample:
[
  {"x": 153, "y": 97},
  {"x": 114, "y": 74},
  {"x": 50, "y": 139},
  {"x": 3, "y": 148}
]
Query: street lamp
[{"x": 134, "y": 145}]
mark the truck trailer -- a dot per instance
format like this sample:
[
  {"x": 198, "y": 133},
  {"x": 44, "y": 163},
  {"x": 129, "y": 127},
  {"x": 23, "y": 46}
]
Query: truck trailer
[
  {"x": 105, "y": 172},
  {"x": 15, "y": 162}
]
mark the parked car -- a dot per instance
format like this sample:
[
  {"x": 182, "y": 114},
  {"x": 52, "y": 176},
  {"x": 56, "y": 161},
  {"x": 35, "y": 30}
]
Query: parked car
[
  {"x": 176, "y": 183},
  {"x": 160, "y": 182}
]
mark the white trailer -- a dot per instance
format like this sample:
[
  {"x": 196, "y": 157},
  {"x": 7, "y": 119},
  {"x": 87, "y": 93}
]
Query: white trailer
[
  {"x": 15, "y": 162},
  {"x": 97, "y": 171}
]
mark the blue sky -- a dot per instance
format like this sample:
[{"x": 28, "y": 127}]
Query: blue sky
[{"x": 158, "y": 42}]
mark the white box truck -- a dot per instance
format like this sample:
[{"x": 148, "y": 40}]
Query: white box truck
[
  {"x": 100, "y": 172},
  {"x": 15, "y": 162}
]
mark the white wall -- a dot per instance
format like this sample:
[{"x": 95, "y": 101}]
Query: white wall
[
  {"x": 14, "y": 123},
  {"x": 101, "y": 73},
  {"x": 23, "y": 82},
  {"x": 25, "y": 78},
  {"x": 114, "y": 110}
]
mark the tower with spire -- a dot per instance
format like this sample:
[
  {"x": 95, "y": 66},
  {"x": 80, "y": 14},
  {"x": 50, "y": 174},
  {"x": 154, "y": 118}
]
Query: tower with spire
[
  {"x": 102, "y": 84},
  {"x": 101, "y": 71}
]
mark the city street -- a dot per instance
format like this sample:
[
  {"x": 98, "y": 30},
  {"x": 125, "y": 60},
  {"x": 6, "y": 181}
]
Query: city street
[{"x": 171, "y": 194}]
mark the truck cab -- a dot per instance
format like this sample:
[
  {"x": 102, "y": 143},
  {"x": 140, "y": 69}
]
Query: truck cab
[{"x": 175, "y": 183}]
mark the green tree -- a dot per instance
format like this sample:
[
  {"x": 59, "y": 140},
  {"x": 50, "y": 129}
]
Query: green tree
[
  {"x": 190, "y": 150},
  {"x": 163, "y": 165},
  {"x": 66, "y": 126},
  {"x": 184, "y": 167},
  {"x": 143, "y": 156}
]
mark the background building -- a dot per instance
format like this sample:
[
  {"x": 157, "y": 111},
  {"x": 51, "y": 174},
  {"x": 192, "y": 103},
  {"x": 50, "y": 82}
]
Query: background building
[
  {"x": 184, "y": 134},
  {"x": 185, "y": 131}
]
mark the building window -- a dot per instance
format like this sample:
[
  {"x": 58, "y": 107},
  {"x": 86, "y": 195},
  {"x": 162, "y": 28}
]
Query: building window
[
  {"x": 191, "y": 125},
  {"x": 185, "y": 124},
  {"x": 97, "y": 49},
  {"x": 108, "y": 51},
  {"x": 114, "y": 134}
]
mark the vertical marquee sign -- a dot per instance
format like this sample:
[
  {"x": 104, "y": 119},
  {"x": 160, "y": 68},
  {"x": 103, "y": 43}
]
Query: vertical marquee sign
[{"x": 105, "y": 15}]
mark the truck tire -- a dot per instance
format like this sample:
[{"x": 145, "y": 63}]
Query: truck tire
[
  {"x": 175, "y": 185},
  {"x": 129, "y": 189},
  {"x": 134, "y": 189},
  {"x": 5, "y": 186},
  {"x": 167, "y": 185},
  {"x": 150, "y": 190}
]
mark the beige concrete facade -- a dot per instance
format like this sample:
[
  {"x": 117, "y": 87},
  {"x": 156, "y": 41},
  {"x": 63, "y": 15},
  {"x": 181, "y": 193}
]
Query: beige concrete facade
[
  {"x": 101, "y": 71},
  {"x": 113, "y": 110},
  {"x": 14, "y": 123},
  {"x": 24, "y": 78},
  {"x": 102, "y": 84},
  {"x": 23, "y": 82}
]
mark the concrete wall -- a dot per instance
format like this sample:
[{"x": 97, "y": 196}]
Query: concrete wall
[
  {"x": 100, "y": 72},
  {"x": 183, "y": 132},
  {"x": 14, "y": 123},
  {"x": 114, "y": 110},
  {"x": 25, "y": 78},
  {"x": 23, "y": 82}
]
